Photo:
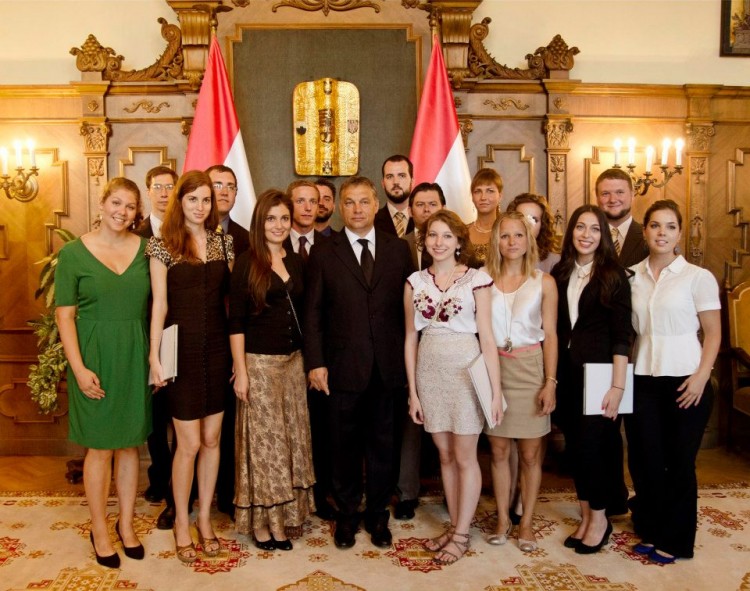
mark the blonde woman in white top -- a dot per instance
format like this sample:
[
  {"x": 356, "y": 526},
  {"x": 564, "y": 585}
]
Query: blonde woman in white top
[
  {"x": 672, "y": 301},
  {"x": 524, "y": 322}
]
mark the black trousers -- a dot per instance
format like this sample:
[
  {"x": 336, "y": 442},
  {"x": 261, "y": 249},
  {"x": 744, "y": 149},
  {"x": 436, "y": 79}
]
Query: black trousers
[
  {"x": 317, "y": 406},
  {"x": 160, "y": 470},
  {"x": 664, "y": 440},
  {"x": 363, "y": 429},
  {"x": 225, "y": 477}
]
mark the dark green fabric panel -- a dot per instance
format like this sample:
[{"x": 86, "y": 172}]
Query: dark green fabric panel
[{"x": 268, "y": 64}]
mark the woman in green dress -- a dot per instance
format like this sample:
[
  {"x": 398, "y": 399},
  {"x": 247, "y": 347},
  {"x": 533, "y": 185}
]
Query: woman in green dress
[{"x": 101, "y": 291}]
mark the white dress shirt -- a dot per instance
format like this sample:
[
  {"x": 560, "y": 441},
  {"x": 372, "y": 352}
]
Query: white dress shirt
[
  {"x": 155, "y": 225},
  {"x": 294, "y": 236},
  {"x": 622, "y": 229},
  {"x": 353, "y": 240},
  {"x": 579, "y": 279}
]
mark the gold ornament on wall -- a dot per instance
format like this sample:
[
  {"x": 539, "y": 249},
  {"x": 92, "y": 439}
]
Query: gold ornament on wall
[
  {"x": 326, "y": 6},
  {"x": 326, "y": 128},
  {"x": 505, "y": 104},
  {"x": 147, "y": 106}
]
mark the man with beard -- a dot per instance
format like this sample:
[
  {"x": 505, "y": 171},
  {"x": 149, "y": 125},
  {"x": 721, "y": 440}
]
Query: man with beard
[
  {"x": 614, "y": 194},
  {"x": 326, "y": 205},
  {"x": 394, "y": 216}
]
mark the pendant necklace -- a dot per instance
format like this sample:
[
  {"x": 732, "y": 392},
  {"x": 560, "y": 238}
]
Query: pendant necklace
[{"x": 508, "y": 345}]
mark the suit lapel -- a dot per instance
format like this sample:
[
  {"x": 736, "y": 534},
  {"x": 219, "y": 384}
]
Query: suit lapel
[{"x": 345, "y": 253}]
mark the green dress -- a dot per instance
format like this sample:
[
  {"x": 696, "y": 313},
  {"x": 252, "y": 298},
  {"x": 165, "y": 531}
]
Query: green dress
[{"x": 113, "y": 339}]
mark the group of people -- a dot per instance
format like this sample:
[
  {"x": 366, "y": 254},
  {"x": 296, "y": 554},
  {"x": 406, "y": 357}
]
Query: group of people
[{"x": 311, "y": 361}]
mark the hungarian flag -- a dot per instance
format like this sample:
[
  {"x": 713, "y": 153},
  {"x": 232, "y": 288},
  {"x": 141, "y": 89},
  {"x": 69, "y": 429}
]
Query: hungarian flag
[
  {"x": 437, "y": 150},
  {"x": 216, "y": 138}
]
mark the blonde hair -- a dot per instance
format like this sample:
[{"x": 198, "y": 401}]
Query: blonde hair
[{"x": 494, "y": 262}]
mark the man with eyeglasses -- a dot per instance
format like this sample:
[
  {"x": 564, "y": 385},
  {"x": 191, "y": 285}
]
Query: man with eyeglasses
[
  {"x": 160, "y": 182},
  {"x": 225, "y": 188}
]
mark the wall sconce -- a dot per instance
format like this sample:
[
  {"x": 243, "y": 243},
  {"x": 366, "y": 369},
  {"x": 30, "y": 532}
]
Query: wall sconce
[
  {"x": 23, "y": 186},
  {"x": 642, "y": 183}
]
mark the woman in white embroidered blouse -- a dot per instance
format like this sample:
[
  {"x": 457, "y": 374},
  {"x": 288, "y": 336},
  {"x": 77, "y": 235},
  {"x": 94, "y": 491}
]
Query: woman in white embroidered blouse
[
  {"x": 672, "y": 301},
  {"x": 449, "y": 303}
]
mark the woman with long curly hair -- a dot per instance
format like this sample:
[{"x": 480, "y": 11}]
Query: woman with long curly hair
[{"x": 539, "y": 215}]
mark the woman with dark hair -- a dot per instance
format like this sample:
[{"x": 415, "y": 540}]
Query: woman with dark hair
[
  {"x": 593, "y": 326},
  {"x": 524, "y": 319},
  {"x": 274, "y": 472},
  {"x": 537, "y": 212},
  {"x": 486, "y": 193},
  {"x": 190, "y": 267},
  {"x": 450, "y": 303},
  {"x": 101, "y": 292},
  {"x": 672, "y": 301}
]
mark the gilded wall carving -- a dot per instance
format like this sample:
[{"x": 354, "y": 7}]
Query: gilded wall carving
[
  {"x": 326, "y": 6},
  {"x": 505, "y": 104},
  {"x": 147, "y": 106},
  {"x": 558, "y": 132},
  {"x": 466, "y": 126},
  {"x": 699, "y": 136},
  {"x": 95, "y": 136},
  {"x": 557, "y": 166}
]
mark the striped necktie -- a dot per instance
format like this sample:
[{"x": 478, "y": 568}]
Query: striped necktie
[
  {"x": 399, "y": 220},
  {"x": 616, "y": 240}
]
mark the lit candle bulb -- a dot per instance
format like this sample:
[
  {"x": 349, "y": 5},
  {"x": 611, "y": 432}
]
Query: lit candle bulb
[
  {"x": 631, "y": 151},
  {"x": 678, "y": 146},
  {"x": 4, "y": 160},
  {"x": 665, "y": 145},
  {"x": 32, "y": 155},
  {"x": 618, "y": 147},
  {"x": 19, "y": 158},
  {"x": 649, "y": 158}
]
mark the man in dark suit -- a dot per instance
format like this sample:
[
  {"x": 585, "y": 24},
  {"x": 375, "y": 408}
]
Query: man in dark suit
[
  {"x": 614, "y": 195},
  {"x": 326, "y": 205},
  {"x": 225, "y": 187},
  {"x": 354, "y": 351},
  {"x": 424, "y": 200},
  {"x": 303, "y": 235},
  {"x": 394, "y": 216},
  {"x": 160, "y": 182}
]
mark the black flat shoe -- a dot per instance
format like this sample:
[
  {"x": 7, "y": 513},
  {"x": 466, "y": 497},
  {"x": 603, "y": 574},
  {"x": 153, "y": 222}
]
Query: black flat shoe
[
  {"x": 285, "y": 545},
  {"x": 571, "y": 542},
  {"x": 166, "y": 518},
  {"x": 584, "y": 549},
  {"x": 111, "y": 561},
  {"x": 267, "y": 545},
  {"x": 134, "y": 552}
]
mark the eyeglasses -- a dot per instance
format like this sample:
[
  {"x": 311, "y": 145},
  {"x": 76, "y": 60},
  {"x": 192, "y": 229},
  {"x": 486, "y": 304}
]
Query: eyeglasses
[
  {"x": 158, "y": 187},
  {"x": 230, "y": 187}
]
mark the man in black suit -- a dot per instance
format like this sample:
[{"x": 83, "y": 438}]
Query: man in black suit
[
  {"x": 424, "y": 200},
  {"x": 354, "y": 351},
  {"x": 394, "y": 216},
  {"x": 160, "y": 182},
  {"x": 614, "y": 195},
  {"x": 225, "y": 187},
  {"x": 326, "y": 205},
  {"x": 303, "y": 235}
]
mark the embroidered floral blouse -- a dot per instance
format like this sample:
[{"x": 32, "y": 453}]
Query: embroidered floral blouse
[{"x": 453, "y": 309}]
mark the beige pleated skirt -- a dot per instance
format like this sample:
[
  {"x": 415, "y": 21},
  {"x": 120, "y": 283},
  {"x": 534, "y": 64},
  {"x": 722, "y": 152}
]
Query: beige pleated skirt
[{"x": 522, "y": 376}]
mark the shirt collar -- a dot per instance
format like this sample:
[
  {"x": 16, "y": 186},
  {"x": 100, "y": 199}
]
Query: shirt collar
[
  {"x": 583, "y": 269},
  {"x": 392, "y": 210},
  {"x": 225, "y": 225},
  {"x": 624, "y": 227},
  {"x": 310, "y": 235},
  {"x": 352, "y": 237}
]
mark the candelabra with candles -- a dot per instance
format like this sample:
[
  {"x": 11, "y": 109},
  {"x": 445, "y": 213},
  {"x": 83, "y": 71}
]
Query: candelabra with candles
[
  {"x": 24, "y": 185},
  {"x": 642, "y": 183}
]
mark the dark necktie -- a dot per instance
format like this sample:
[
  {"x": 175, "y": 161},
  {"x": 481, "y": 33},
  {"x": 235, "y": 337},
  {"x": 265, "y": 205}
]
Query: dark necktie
[
  {"x": 303, "y": 248},
  {"x": 366, "y": 261}
]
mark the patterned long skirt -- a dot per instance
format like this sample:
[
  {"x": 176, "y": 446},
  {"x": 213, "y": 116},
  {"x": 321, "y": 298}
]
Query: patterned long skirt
[{"x": 274, "y": 470}]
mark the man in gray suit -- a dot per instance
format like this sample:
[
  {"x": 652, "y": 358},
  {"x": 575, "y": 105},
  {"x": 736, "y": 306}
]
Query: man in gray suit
[{"x": 614, "y": 194}]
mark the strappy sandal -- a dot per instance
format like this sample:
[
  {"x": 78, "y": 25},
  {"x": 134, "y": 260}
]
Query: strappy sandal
[
  {"x": 186, "y": 554},
  {"x": 447, "y": 557},
  {"x": 211, "y": 546},
  {"x": 438, "y": 543}
]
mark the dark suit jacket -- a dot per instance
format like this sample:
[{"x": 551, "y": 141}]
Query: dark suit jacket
[
  {"x": 317, "y": 239},
  {"x": 411, "y": 240},
  {"x": 240, "y": 238},
  {"x": 600, "y": 332},
  {"x": 351, "y": 327},
  {"x": 144, "y": 229},
  {"x": 384, "y": 222},
  {"x": 634, "y": 248}
]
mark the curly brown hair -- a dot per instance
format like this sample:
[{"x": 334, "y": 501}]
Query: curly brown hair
[
  {"x": 465, "y": 250},
  {"x": 546, "y": 242}
]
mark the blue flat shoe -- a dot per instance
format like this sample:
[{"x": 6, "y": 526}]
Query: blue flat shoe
[
  {"x": 654, "y": 556},
  {"x": 643, "y": 548}
]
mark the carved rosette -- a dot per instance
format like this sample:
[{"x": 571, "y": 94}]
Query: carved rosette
[
  {"x": 95, "y": 136},
  {"x": 325, "y": 6},
  {"x": 699, "y": 136},
  {"x": 557, "y": 132}
]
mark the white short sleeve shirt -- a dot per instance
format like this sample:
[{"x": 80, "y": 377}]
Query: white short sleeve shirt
[{"x": 665, "y": 316}]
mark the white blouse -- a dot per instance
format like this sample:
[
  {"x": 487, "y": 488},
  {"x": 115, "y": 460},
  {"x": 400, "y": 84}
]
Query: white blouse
[
  {"x": 455, "y": 308},
  {"x": 665, "y": 316},
  {"x": 579, "y": 279},
  {"x": 521, "y": 311}
]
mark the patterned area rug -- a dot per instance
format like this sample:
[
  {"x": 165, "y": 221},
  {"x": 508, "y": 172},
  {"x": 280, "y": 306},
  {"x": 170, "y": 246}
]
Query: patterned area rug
[{"x": 44, "y": 545}]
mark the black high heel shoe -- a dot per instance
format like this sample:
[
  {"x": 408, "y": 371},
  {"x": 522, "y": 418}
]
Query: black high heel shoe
[
  {"x": 111, "y": 561},
  {"x": 134, "y": 552},
  {"x": 267, "y": 545},
  {"x": 571, "y": 542},
  {"x": 584, "y": 549}
]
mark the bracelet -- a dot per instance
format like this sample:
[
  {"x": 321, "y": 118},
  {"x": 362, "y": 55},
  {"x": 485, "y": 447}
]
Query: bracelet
[
  {"x": 551, "y": 379},
  {"x": 618, "y": 388}
]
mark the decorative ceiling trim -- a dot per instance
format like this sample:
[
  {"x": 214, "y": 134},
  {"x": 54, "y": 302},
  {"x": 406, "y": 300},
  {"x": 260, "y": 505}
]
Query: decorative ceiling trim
[{"x": 326, "y": 6}]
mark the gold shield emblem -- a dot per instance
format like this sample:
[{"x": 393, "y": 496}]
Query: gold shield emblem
[{"x": 326, "y": 128}]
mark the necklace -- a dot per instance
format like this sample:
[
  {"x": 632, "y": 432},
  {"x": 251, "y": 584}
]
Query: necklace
[
  {"x": 479, "y": 229},
  {"x": 508, "y": 319}
]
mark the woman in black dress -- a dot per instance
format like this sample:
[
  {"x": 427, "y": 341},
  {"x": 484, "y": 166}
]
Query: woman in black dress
[
  {"x": 190, "y": 267},
  {"x": 593, "y": 326},
  {"x": 274, "y": 472}
]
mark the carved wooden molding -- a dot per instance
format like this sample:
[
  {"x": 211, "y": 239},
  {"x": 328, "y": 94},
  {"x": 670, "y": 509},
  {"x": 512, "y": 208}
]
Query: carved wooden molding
[
  {"x": 489, "y": 157},
  {"x": 506, "y": 103},
  {"x": 325, "y": 6},
  {"x": 93, "y": 57},
  {"x": 147, "y": 106},
  {"x": 556, "y": 57},
  {"x": 466, "y": 126},
  {"x": 558, "y": 132},
  {"x": 699, "y": 136},
  {"x": 162, "y": 151},
  {"x": 557, "y": 165},
  {"x": 95, "y": 136},
  {"x": 737, "y": 213}
]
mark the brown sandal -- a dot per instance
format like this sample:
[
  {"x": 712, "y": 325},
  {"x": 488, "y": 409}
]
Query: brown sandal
[
  {"x": 438, "y": 543},
  {"x": 184, "y": 552},
  {"x": 210, "y": 546},
  {"x": 447, "y": 557}
]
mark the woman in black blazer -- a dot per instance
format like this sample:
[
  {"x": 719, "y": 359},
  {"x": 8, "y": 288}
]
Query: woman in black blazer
[{"x": 593, "y": 326}]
